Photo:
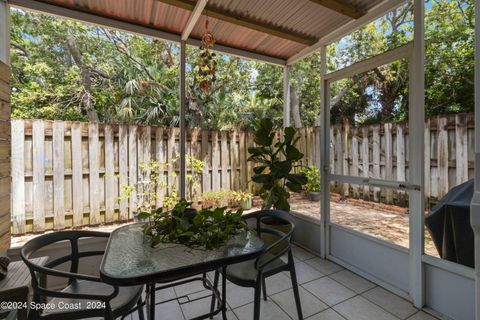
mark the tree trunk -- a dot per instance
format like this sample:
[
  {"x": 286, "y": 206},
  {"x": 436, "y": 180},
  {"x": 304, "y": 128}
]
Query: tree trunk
[
  {"x": 295, "y": 108},
  {"x": 333, "y": 102},
  {"x": 87, "y": 101}
]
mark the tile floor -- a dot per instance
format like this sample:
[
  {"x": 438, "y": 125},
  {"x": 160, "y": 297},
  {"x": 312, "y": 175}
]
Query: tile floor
[{"x": 327, "y": 290}]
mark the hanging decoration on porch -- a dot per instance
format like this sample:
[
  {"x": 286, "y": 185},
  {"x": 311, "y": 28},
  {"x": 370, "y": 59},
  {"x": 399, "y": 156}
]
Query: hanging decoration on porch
[{"x": 207, "y": 63}]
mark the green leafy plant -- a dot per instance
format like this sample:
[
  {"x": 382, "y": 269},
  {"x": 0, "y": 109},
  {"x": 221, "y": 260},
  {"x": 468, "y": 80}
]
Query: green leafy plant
[
  {"x": 146, "y": 188},
  {"x": 208, "y": 229},
  {"x": 313, "y": 176},
  {"x": 217, "y": 199},
  {"x": 277, "y": 160},
  {"x": 242, "y": 195}
]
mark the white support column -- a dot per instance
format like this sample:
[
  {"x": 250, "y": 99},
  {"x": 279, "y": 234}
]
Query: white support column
[
  {"x": 286, "y": 96},
  {"x": 416, "y": 123},
  {"x": 4, "y": 32},
  {"x": 183, "y": 133},
  {"x": 475, "y": 205},
  {"x": 324, "y": 156},
  {"x": 5, "y": 111}
]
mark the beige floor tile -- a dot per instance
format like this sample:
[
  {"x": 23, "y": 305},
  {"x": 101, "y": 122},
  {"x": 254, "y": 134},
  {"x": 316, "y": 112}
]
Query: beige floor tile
[
  {"x": 198, "y": 307},
  {"x": 188, "y": 288},
  {"x": 278, "y": 283},
  {"x": 310, "y": 304},
  {"x": 359, "y": 308},
  {"x": 352, "y": 281},
  {"x": 305, "y": 273},
  {"x": 170, "y": 310},
  {"x": 420, "y": 315},
  {"x": 390, "y": 302},
  {"x": 165, "y": 294},
  {"x": 238, "y": 296},
  {"x": 324, "y": 266},
  {"x": 268, "y": 311},
  {"x": 328, "y": 314},
  {"x": 329, "y": 291},
  {"x": 301, "y": 254}
]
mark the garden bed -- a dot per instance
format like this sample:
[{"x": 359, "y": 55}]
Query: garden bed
[{"x": 386, "y": 222}]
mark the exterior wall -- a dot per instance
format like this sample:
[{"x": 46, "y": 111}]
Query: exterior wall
[{"x": 4, "y": 157}]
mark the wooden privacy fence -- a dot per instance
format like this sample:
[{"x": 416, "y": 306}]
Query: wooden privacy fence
[
  {"x": 381, "y": 151},
  {"x": 69, "y": 174}
]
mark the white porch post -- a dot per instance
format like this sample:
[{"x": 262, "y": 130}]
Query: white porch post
[
  {"x": 475, "y": 206},
  {"x": 4, "y": 32},
  {"x": 324, "y": 155},
  {"x": 286, "y": 96},
  {"x": 5, "y": 180},
  {"x": 416, "y": 123},
  {"x": 183, "y": 133}
]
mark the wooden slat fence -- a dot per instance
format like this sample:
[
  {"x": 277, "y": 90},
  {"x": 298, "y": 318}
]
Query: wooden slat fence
[
  {"x": 381, "y": 151},
  {"x": 5, "y": 157},
  {"x": 69, "y": 174}
]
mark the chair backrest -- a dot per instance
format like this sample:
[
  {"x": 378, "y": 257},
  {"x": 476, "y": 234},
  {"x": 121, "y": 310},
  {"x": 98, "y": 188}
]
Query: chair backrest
[
  {"x": 34, "y": 245},
  {"x": 283, "y": 242}
]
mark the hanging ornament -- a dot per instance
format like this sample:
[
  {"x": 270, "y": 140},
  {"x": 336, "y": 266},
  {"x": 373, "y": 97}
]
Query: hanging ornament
[{"x": 207, "y": 63}]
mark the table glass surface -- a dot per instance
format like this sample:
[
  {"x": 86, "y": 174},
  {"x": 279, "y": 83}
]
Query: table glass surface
[{"x": 130, "y": 255}]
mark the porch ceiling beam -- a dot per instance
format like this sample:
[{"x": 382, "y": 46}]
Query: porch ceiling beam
[
  {"x": 249, "y": 23},
  {"x": 87, "y": 17},
  {"x": 192, "y": 21},
  {"x": 341, "y": 7},
  {"x": 376, "y": 12}
]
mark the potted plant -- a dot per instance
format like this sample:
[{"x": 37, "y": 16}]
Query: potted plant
[
  {"x": 243, "y": 198},
  {"x": 208, "y": 229},
  {"x": 313, "y": 184},
  {"x": 277, "y": 160},
  {"x": 217, "y": 199}
]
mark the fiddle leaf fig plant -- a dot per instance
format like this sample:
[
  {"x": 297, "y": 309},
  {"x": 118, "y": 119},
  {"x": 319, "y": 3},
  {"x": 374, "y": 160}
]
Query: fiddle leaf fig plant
[{"x": 277, "y": 159}]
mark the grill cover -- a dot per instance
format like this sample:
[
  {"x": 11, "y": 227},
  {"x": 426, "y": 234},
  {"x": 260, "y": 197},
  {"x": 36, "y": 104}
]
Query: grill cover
[{"x": 449, "y": 225}]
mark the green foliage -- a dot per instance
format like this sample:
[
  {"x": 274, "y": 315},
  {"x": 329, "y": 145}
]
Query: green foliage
[
  {"x": 217, "y": 199},
  {"x": 67, "y": 70},
  {"x": 273, "y": 173},
  {"x": 239, "y": 196},
  {"x": 208, "y": 229},
  {"x": 149, "y": 179},
  {"x": 313, "y": 176}
]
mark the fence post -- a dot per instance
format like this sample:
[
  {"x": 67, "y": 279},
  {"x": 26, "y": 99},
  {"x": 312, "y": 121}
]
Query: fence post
[
  {"x": 38, "y": 175},
  {"x": 123, "y": 169},
  {"x": 18, "y": 176},
  {"x": 58, "y": 175},
  {"x": 109, "y": 173}
]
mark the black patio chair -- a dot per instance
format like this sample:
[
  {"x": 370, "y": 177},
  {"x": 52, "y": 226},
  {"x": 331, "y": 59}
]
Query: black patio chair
[
  {"x": 253, "y": 273},
  {"x": 97, "y": 298}
]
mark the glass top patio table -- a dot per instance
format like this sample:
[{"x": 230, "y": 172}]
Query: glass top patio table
[{"x": 129, "y": 258}]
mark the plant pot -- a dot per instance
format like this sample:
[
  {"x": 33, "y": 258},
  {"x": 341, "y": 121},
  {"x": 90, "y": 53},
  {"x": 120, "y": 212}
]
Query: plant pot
[
  {"x": 314, "y": 196},
  {"x": 272, "y": 223},
  {"x": 222, "y": 203},
  {"x": 246, "y": 204}
]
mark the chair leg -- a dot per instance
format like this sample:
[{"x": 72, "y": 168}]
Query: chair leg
[
  {"x": 141, "y": 316},
  {"x": 264, "y": 289},
  {"x": 152, "y": 301},
  {"x": 108, "y": 313},
  {"x": 224, "y": 293},
  {"x": 257, "y": 301},
  {"x": 215, "y": 287},
  {"x": 293, "y": 276}
]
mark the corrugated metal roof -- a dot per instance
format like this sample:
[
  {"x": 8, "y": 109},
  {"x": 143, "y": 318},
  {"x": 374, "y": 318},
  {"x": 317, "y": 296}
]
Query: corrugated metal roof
[{"x": 304, "y": 19}]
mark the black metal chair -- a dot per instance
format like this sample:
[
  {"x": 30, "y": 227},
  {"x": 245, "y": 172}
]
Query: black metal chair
[
  {"x": 254, "y": 272},
  {"x": 97, "y": 298}
]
